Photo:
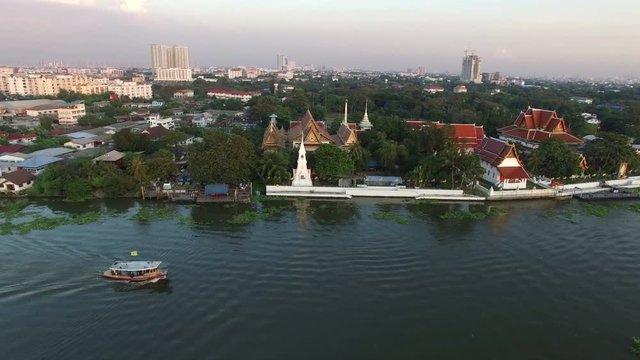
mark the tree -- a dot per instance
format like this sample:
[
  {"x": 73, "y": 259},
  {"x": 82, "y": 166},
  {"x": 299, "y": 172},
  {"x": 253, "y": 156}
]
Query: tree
[
  {"x": 606, "y": 154},
  {"x": 221, "y": 158},
  {"x": 449, "y": 166},
  {"x": 125, "y": 140},
  {"x": 332, "y": 162},
  {"x": 95, "y": 121},
  {"x": 274, "y": 168},
  {"x": 161, "y": 166},
  {"x": 46, "y": 122},
  {"x": 554, "y": 159},
  {"x": 138, "y": 170}
]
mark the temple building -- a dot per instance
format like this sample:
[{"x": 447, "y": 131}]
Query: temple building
[
  {"x": 502, "y": 166},
  {"x": 274, "y": 138},
  {"x": 313, "y": 133},
  {"x": 464, "y": 136},
  {"x": 346, "y": 135},
  {"x": 533, "y": 126}
]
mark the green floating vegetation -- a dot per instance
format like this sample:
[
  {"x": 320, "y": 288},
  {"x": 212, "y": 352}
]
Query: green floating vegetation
[
  {"x": 244, "y": 218},
  {"x": 185, "y": 220},
  {"x": 564, "y": 214},
  {"x": 595, "y": 210},
  {"x": 41, "y": 223},
  {"x": 463, "y": 215},
  {"x": 272, "y": 212},
  {"x": 251, "y": 216},
  {"x": 86, "y": 218},
  {"x": 148, "y": 214},
  {"x": 12, "y": 209},
  {"x": 635, "y": 346},
  {"x": 390, "y": 216}
]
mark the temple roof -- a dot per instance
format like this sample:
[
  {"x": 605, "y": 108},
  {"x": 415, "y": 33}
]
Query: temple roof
[
  {"x": 464, "y": 135},
  {"x": 538, "y": 125},
  {"x": 495, "y": 151},
  {"x": 307, "y": 123}
]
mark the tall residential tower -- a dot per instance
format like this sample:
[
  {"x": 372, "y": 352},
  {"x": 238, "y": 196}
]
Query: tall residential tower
[
  {"x": 471, "y": 68},
  {"x": 170, "y": 63}
]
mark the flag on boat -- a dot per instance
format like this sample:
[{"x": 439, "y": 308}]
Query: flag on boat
[{"x": 134, "y": 253}]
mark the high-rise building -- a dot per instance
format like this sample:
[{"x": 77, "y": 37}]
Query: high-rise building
[
  {"x": 282, "y": 63},
  {"x": 170, "y": 63},
  {"x": 471, "y": 68}
]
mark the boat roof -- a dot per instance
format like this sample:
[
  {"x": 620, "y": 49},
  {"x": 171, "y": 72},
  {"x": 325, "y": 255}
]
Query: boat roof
[{"x": 134, "y": 265}]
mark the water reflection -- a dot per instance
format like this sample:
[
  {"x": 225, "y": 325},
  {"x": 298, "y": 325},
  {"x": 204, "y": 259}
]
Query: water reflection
[{"x": 160, "y": 287}]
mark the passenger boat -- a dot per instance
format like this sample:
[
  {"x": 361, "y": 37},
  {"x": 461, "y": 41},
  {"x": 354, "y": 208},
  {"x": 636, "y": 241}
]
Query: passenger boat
[{"x": 135, "y": 271}]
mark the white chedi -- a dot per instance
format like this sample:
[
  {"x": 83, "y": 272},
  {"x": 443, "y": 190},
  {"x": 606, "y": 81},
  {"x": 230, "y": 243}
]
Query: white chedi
[{"x": 302, "y": 175}]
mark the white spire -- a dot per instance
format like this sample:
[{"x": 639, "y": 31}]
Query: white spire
[
  {"x": 302, "y": 175},
  {"x": 365, "y": 124},
  {"x": 346, "y": 101}
]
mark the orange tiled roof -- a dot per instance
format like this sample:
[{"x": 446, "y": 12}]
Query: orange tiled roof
[{"x": 538, "y": 125}]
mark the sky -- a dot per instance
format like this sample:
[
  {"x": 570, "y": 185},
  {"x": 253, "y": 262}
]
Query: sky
[{"x": 585, "y": 38}]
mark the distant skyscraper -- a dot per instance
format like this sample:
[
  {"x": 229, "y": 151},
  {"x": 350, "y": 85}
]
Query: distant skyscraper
[
  {"x": 471, "y": 68},
  {"x": 282, "y": 63},
  {"x": 170, "y": 63}
]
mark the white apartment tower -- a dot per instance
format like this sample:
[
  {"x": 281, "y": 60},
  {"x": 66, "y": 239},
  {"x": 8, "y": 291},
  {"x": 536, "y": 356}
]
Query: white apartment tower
[
  {"x": 170, "y": 63},
  {"x": 471, "y": 68}
]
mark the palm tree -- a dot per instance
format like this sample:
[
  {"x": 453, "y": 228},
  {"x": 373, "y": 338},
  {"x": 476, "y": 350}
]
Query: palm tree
[
  {"x": 273, "y": 168},
  {"x": 138, "y": 170}
]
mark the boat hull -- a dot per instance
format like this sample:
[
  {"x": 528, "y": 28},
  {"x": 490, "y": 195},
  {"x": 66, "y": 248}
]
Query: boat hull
[{"x": 151, "y": 277}]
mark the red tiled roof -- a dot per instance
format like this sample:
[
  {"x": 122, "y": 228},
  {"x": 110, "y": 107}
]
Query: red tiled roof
[
  {"x": 464, "y": 135},
  {"x": 538, "y": 125},
  {"x": 20, "y": 136},
  {"x": 10, "y": 149},
  {"x": 512, "y": 173},
  {"x": 494, "y": 151}
]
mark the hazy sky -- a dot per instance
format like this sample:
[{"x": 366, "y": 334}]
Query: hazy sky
[{"x": 519, "y": 37}]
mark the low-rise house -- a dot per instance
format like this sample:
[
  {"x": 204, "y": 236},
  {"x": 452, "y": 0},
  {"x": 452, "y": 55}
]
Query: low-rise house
[
  {"x": 21, "y": 139},
  {"x": 81, "y": 144},
  {"x": 113, "y": 157},
  {"x": 501, "y": 164},
  {"x": 168, "y": 123},
  {"x": 36, "y": 164},
  {"x": 243, "y": 96},
  {"x": 186, "y": 93},
  {"x": 15, "y": 157},
  {"x": 80, "y": 135},
  {"x": 432, "y": 89},
  {"x": 51, "y": 152},
  {"x": 460, "y": 89},
  {"x": 8, "y": 149},
  {"x": 16, "y": 181},
  {"x": 155, "y": 133}
]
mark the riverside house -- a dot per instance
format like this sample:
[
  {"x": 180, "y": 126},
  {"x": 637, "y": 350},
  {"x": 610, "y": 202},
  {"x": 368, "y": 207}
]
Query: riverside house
[{"x": 16, "y": 181}]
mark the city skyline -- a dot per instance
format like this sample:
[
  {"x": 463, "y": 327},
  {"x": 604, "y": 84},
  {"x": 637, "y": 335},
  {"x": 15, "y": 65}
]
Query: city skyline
[{"x": 529, "y": 38}]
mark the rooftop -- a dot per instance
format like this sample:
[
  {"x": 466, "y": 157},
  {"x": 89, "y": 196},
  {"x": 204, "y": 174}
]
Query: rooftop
[{"x": 35, "y": 162}]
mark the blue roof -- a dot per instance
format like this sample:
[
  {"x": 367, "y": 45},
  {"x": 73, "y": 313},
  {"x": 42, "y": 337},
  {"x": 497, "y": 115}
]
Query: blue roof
[
  {"x": 216, "y": 189},
  {"x": 35, "y": 162},
  {"x": 80, "y": 135}
]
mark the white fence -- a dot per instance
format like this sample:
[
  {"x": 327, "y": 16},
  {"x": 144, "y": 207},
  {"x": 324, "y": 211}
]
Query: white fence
[{"x": 370, "y": 191}]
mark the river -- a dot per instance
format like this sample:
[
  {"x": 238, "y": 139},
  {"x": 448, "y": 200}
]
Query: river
[{"x": 354, "y": 279}]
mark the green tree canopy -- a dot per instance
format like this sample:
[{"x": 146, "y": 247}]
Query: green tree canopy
[
  {"x": 606, "y": 154},
  {"x": 125, "y": 140},
  {"x": 332, "y": 162},
  {"x": 553, "y": 159},
  {"x": 95, "y": 121},
  {"x": 274, "y": 168},
  {"x": 221, "y": 158}
]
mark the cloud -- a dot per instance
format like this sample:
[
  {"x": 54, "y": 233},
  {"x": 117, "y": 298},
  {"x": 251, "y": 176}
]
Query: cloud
[{"x": 133, "y": 6}]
